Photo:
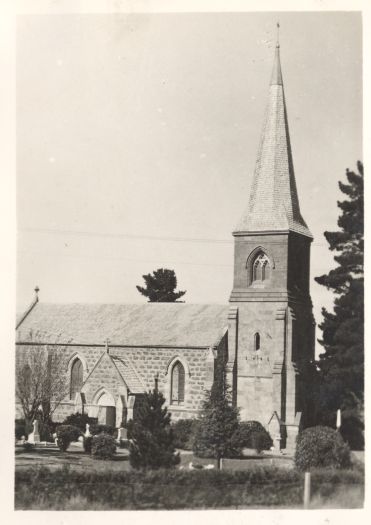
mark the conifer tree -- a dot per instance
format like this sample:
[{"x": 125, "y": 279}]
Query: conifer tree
[
  {"x": 218, "y": 422},
  {"x": 152, "y": 444},
  {"x": 160, "y": 287},
  {"x": 341, "y": 366}
]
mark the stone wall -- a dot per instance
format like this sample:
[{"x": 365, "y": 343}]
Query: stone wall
[{"x": 100, "y": 373}]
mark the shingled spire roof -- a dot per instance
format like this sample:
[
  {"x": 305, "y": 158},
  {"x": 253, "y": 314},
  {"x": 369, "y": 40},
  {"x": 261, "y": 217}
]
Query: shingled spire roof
[{"x": 274, "y": 203}]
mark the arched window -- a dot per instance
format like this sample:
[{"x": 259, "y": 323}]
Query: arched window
[
  {"x": 260, "y": 268},
  {"x": 177, "y": 384},
  {"x": 257, "y": 341},
  {"x": 76, "y": 378}
]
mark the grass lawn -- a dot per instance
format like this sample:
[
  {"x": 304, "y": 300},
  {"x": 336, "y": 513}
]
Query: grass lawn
[
  {"x": 51, "y": 457},
  {"x": 48, "y": 479}
]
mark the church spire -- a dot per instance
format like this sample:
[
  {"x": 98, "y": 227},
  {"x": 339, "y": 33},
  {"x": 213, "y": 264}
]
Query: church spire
[{"x": 274, "y": 203}]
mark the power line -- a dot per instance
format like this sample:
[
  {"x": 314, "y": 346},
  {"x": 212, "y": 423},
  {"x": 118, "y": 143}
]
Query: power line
[{"x": 79, "y": 233}]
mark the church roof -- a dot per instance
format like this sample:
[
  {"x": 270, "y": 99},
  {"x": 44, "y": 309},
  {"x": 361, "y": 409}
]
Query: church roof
[
  {"x": 157, "y": 324},
  {"x": 129, "y": 374},
  {"x": 274, "y": 203}
]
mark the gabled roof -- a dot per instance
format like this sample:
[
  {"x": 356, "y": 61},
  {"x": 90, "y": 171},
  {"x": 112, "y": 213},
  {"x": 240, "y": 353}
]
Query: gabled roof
[
  {"x": 129, "y": 374},
  {"x": 274, "y": 203},
  {"x": 150, "y": 324}
]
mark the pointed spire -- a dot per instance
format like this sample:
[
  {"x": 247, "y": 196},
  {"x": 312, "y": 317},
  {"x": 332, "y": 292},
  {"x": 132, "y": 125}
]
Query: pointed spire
[
  {"x": 274, "y": 203},
  {"x": 276, "y": 79}
]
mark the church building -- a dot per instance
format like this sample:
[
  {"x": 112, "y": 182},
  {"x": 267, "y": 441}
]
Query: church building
[{"x": 113, "y": 354}]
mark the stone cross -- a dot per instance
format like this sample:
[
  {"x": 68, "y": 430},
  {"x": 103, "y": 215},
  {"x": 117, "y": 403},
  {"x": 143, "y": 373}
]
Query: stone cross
[{"x": 87, "y": 431}]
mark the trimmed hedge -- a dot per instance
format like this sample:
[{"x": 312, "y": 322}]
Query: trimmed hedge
[
  {"x": 65, "y": 435},
  {"x": 103, "y": 446},
  {"x": 252, "y": 434},
  {"x": 66, "y": 489},
  {"x": 321, "y": 447}
]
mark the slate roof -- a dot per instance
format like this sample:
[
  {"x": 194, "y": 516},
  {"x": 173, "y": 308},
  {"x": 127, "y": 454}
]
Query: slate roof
[
  {"x": 168, "y": 324},
  {"x": 274, "y": 203},
  {"x": 129, "y": 374}
]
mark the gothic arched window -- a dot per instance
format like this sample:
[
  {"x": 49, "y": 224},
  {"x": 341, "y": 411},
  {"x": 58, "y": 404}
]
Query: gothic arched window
[
  {"x": 260, "y": 268},
  {"x": 76, "y": 378},
  {"x": 177, "y": 384},
  {"x": 257, "y": 341}
]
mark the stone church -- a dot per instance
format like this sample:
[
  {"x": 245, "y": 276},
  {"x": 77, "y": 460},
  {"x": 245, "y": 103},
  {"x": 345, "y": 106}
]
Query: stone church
[{"x": 114, "y": 353}]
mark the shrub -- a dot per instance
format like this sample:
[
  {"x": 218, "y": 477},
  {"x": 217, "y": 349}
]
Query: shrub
[
  {"x": 184, "y": 431},
  {"x": 321, "y": 447},
  {"x": 252, "y": 434},
  {"x": 22, "y": 428},
  {"x": 28, "y": 446},
  {"x": 96, "y": 429},
  {"x": 80, "y": 421},
  {"x": 175, "y": 489},
  {"x": 65, "y": 435},
  {"x": 152, "y": 444},
  {"x": 103, "y": 446},
  {"x": 88, "y": 441}
]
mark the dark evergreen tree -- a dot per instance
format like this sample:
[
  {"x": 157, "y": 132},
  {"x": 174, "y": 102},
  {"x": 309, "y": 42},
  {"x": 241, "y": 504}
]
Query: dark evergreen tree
[
  {"x": 160, "y": 287},
  {"x": 341, "y": 366},
  {"x": 152, "y": 440},
  {"x": 218, "y": 422}
]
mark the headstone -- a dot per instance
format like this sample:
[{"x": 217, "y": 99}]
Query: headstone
[
  {"x": 87, "y": 431},
  {"x": 34, "y": 437},
  {"x": 122, "y": 433}
]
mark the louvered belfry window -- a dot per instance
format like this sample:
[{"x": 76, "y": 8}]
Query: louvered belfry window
[
  {"x": 260, "y": 269},
  {"x": 76, "y": 378},
  {"x": 177, "y": 384}
]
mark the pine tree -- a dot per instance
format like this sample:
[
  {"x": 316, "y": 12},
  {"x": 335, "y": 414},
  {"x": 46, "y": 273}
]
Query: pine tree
[
  {"x": 152, "y": 438},
  {"x": 160, "y": 287},
  {"x": 218, "y": 422},
  {"x": 341, "y": 366}
]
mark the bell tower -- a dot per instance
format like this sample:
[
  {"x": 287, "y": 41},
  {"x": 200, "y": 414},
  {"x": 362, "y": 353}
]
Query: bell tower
[{"x": 271, "y": 323}]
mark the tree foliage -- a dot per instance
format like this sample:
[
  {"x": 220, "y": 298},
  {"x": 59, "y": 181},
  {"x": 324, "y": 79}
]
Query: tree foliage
[
  {"x": 152, "y": 444},
  {"x": 40, "y": 385},
  {"x": 160, "y": 287},
  {"x": 341, "y": 366},
  {"x": 218, "y": 422}
]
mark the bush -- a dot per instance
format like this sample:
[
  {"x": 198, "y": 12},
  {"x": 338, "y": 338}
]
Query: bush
[
  {"x": 184, "y": 431},
  {"x": 321, "y": 447},
  {"x": 252, "y": 434},
  {"x": 96, "y": 429},
  {"x": 88, "y": 441},
  {"x": 175, "y": 489},
  {"x": 152, "y": 440},
  {"x": 22, "y": 429},
  {"x": 65, "y": 435},
  {"x": 103, "y": 446},
  {"x": 80, "y": 421}
]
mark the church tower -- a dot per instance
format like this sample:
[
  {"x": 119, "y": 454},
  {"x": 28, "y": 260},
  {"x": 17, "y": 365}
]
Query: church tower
[{"x": 271, "y": 326}]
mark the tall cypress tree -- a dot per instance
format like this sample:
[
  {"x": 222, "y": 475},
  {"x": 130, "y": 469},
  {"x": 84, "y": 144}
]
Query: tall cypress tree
[{"x": 341, "y": 366}]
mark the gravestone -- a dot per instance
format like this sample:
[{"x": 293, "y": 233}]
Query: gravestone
[{"x": 34, "y": 437}]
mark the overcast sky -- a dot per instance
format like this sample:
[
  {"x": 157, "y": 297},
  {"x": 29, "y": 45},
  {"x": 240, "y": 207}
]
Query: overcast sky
[{"x": 132, "y": 128}]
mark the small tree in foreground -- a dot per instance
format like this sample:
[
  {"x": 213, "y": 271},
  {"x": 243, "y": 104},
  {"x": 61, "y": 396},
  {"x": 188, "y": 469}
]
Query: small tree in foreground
[
  {"x": 152, "y": 444},
  {"x": 40, "y": 385},
  {"x": 160, "y": 287},
  {"x": 218, "y": 423}
]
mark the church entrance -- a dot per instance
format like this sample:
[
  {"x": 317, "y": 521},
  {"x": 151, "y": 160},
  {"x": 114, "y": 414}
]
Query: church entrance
[{"x": 106, "y": 410}]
